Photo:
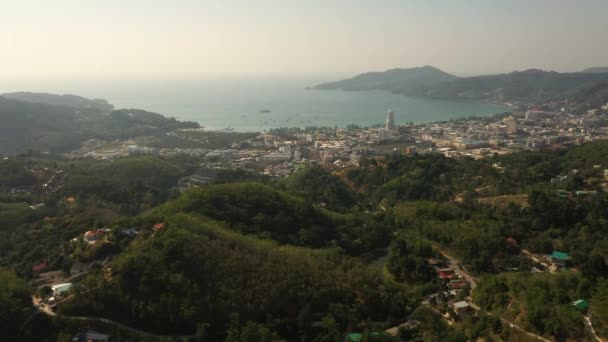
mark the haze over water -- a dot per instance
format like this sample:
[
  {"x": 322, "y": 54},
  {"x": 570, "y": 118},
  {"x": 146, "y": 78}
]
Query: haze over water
[{"x": 237, "y": 104}]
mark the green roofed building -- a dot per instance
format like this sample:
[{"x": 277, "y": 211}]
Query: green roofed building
[
  {"x": 354, "y": 337},
  {"x": 560, "y": 258},
  {"x": 581, "y": 304}
]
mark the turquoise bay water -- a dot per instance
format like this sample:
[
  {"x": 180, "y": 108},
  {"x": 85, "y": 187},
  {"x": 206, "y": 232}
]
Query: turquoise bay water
[{"x": 237, "y": 103}]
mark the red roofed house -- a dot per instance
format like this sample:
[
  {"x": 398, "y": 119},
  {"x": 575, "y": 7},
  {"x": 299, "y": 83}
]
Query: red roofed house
[
  {"x": 511, "y": 242},
  {"x": 158, "y": 227},
  {"x": 92, "y": 236},
  {"x": 445, "y": 273},
  {"x": 456, "y": 285},
  {"x": 40, "y": 267}
]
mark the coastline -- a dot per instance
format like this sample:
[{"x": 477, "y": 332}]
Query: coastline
[{"x": 455, "y": 99}]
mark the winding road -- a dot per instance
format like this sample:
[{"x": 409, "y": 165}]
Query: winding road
[
  {"x": 45, "y": 310},
  {"x": 588, "y": 322},
  {"x": 455, "y": 264}
]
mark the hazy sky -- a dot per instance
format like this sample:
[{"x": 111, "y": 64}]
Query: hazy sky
[{"x": 194, "y": 38}]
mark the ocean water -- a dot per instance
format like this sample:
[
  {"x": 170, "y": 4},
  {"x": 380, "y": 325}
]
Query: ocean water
[{"x": 238, "y": 104}]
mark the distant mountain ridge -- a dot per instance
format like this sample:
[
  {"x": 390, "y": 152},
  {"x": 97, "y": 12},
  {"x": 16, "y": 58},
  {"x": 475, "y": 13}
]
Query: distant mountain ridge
[
  {"x": 67, "y": 100},
  {"x": 596, "y": 70},
  {"x": 529, "y": 86},
  {"x": 394, "y": 80}
]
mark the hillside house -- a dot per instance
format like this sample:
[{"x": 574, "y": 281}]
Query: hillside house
[
  {"x": 158, "y": 227},
  {"x": 461, "y": 308},
  {"x": 445, "y": 273},
  {"x": 560, "y": 259},
  {"x": 92, "y": 236},
  {"x": 581, "y": 304}
]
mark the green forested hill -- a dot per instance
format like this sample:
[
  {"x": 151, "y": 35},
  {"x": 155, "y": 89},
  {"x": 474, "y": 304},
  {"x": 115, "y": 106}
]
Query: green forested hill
[
  {"x": 14, "y": 174},
  {"x": 132, "y": 184},
  {"x": 586, "y": 156},
  {"x": 320, "y": 186},
  {"x": 196, "y": 271},
  {"x": 28, "y": 125},
  {"x": 38, "y": 126},
  {"x": 266, "y": 259},
  {"x": 71, "y": 101},
  {"x": 544, "y": 302},
  {"x": 14, "y": 298},
  {"x": 261, "y": 210}
]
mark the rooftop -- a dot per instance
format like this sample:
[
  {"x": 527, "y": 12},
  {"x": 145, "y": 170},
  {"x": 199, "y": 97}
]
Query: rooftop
[
  {"x": 91, "y": 336},
  {"x": 61, "y": 288},
  {"x": 461, "y": 305},
  {"x": 560, "y": 256},
  {"x": 40, "y": 267},
  {"x": 581, "y": 304},
  {"x": 354, "y": 337},
  {"x": 159, "y": 226}
]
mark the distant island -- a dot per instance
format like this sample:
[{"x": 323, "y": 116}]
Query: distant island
[{"x": 588, "y": 88}]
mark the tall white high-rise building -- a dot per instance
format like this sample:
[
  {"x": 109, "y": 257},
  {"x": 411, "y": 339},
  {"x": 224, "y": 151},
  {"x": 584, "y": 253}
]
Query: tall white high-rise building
[{"x": 389, "y": 125}]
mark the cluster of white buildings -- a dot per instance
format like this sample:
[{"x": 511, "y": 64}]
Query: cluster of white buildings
[{"x": 281, "y": 151}]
